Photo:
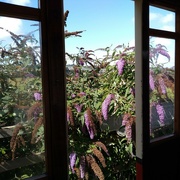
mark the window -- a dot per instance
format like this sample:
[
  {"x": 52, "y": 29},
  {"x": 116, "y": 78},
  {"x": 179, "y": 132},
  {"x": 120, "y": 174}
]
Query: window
[
  {"x": 162, "y": 40},
  {"x": 21, "y": 110},
  {"x": 50, "y": 45},
  {"x": 152, "y": 149},
  {"x": 26, "y": 3}
]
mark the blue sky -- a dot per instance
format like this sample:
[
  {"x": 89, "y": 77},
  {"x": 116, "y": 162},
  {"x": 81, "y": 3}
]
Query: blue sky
[
  {"x": 105, "y": 23},
  {"x": 17, "y": 26},
  {"x": 109, "y": 23},
  {"x": 30, "y": 3}
]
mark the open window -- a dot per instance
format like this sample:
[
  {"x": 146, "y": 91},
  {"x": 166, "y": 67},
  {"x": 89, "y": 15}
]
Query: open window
[
  {"x": 31, "y": 44},
  {"x": 158, "y": 76}
]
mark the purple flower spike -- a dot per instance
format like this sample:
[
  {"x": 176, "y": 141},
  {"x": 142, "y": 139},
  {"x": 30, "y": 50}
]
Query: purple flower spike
[
  {"x": 164, "y": 53},
  {"x": 128, "y": 131},
  {"x": 160, "y": 111},
  {"x": 82, "y": 166},
  {"x": 81, "y": 61},
  {"x": 78, "y": 107},
  {"x": 132, "y": 90},
  {"x": 120, "y": 66},
  {"x": 162, "y": 85},
  {"x": 72, "y": 161},
  {"x": 88, "y": 124},
  {"x": 83, "y": 93},
  {"x": 151, "y": 81},
  {"x": 68, "y": 116},
  {"x": 29, "y": 75},
  {"x": 105, "y": 105},
  {"x": 37, "y": 96},
  {"x": 76, "y": 71},
  {"x": 125, "y": 119},
  {"x": 126, "y": 122}
]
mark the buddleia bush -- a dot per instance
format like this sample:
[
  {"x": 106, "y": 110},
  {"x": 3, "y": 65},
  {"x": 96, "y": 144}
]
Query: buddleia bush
[
  {"x": 21, "y": 99},
  {"x": 98, "y": 89}
]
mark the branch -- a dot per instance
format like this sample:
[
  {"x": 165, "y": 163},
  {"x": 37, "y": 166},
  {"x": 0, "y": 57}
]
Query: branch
[
  {"x": 65, "y": 17},
  {"x": 75, "y": 33}
]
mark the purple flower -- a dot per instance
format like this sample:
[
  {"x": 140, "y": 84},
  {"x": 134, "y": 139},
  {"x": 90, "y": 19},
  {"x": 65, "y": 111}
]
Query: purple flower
[
  {"x": 78, "y": 107},
  {"x": 73, "y": 95},
  {"x": 132, "y": 90},
  {"x": 88, "y": 124},
  {"x": 128, "y": 131},
  {"x": 76, "y": 70},
  {"x": 68, "y": 116},
  {"x": 127, "y": 123},
  {"x": 81, "y": 61},
  {"x": 125, "y": 119},
  {"x": 164, "y": 53},
  {"x": 162, "y": 85},
  {"x": 151, "y": 55},
  {"x": 29, "y": 75},
  {"x": 152, "y": 104},
  {"x": 72, "y": 157},
  {"x": 160, "y": 111},
  {"x": 36, "y": 113},
  {"x": 37, "y": 96},
  {"x": 120, "y": 66},
  {"x": 82, "y": 93},
  {"x": 151, "y": 81},
  {"x": 105, "y": 105},
  {"x": 82, "y": 166}
]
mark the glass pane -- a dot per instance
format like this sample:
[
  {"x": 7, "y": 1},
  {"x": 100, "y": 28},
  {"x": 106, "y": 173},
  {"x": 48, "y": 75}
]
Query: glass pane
[
  {"x": 161, "y": 80},
  {"x": 161, "y": 19},
  {"x": 28, "y": 3},
  {"x": 100, "y": 89},
  {"x": 21, "y": 112}
]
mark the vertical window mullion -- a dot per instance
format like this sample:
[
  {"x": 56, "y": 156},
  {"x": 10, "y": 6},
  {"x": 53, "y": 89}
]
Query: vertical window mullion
[{"x": 54, "y": 78}]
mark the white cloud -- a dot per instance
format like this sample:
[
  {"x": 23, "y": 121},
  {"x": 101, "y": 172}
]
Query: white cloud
[
  {"x": 153, "y": 16},
  {"x": 168, "y": 28},
  {"x": 163, "y": 41},
  {"x": 168, "y": 18},
  {"x": 19, "y": 2},
  {"x": 132, "y": 43},
  {"x": 10, "y": 24}
]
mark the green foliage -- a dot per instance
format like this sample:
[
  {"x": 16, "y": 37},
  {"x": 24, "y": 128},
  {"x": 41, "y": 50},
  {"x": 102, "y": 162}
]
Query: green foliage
[
  {"x": 20, "y": 79},
  {"x": 107, "y": 153},
  {"x": 97, "y": 79},
  {"x": 89, "y": 82}
]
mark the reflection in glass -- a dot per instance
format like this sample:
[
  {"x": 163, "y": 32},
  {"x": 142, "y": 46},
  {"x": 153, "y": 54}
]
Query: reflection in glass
[
  {"x": 28, "y": 3},
  {"x": 161, "y": 81},
  {"x": 21, "y": 111},
  {"x": 161, "y": 19}
]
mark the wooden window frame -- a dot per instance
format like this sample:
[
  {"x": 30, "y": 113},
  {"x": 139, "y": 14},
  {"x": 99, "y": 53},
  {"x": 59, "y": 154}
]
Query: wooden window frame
[
  {"x": 174, "y": 36},
  {"x": 142, "y": 33},
  {"x": 51, "y": 18},
  {"x": 142, "y": 51}
]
